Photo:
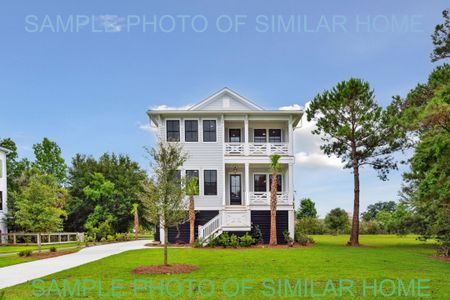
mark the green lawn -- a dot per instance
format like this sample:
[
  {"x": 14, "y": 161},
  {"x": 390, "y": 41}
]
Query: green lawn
[
  {"x": 17, "y": 248},
  {"x": 13, "y": 259},
  {"x": 385, "y": 258}
]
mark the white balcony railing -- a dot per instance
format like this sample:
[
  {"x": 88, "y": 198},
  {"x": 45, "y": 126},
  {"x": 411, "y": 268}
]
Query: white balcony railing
[
  {"x": 263, "y": 198},
  {"x": 256, "y": 148}
]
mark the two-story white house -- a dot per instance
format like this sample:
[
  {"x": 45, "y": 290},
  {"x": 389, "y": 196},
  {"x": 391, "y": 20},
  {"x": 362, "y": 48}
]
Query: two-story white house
[
  {"x": 3, "y": 191},
  {"x": 229, "y": 139}
]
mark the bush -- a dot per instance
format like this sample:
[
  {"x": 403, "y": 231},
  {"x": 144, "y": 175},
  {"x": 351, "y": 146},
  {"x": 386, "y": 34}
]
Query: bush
[
  {"x": 257, "y": 234},
  {"x": 369, "y": 227},
  {"x": 103, "y": 240},
  {"x": 246, "y": 240},
  {"x": 310, "y": 226},
  {"x": 198, "y": 243},
  {"x": 52, "y": 249},
  {"x": 224, "y": 239},
  {"x": 110, "y": 238},
  {"x": 120, "y": 237},
  {"x": 25, "y": 253},
  {"x": 234, "y": 241},
  {"x": 213, "y": 241},
  {"x": 303, "y": 239}
]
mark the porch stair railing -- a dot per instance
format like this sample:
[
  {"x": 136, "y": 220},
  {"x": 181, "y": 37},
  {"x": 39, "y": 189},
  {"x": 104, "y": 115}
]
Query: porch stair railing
[{"x": 214, "y": 226}]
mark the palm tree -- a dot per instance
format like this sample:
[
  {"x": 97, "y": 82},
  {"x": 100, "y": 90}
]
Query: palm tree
[
  {"x": 191, "y": 191},
  {"x": 134, "y": 211},
  {"x": 275, "y": 167}
]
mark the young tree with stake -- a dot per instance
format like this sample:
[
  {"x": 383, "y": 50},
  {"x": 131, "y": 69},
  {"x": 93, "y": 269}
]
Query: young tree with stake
[
  {"x": 355, "y": 129},
  {"x": 275, "y": 167},
  {"x": 163, "y": 198}
]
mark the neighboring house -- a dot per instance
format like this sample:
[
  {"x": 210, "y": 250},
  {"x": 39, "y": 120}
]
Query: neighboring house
[
  {"x": 3, "y": 191},
  {"x": 229, "y": 140}
]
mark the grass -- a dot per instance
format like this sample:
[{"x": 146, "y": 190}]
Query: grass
[
  {"x": 17, "y": 248},
  {"x": 382, "y": 257},
  {"x": 14, "y": 259}
]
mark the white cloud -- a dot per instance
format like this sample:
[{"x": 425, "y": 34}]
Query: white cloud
[
  {"x": 147, "y": 127},
  {"x": 166, "y": 107},
  {"x": 317, "y": 160},
  {"x": 110, "y": 23},
  {"x": 307, "y": 147},
  {"x": 291, "y": 107}
]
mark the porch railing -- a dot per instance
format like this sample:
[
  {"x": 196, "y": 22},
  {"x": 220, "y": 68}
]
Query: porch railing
[
  {"x": 256, "y": 148},
  {"x": 263, "y": 198}
]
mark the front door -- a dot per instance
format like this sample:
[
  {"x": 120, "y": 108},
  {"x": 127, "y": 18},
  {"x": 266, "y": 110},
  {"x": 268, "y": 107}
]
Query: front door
[
  {"x": 234, "y": 135},
  {"x": 235, "y": 189}
]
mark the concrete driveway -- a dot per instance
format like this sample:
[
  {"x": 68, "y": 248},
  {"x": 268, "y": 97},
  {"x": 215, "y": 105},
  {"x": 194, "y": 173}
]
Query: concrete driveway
[{"x": 21, "y": 273}]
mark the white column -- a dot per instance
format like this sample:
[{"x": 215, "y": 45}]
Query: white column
[
  {"x": 223, "y": 162},
  {"x": 247, "y": 184},
  {"x": 291, "y": 223},
  {"x": 291, "y": 136},
  {"x": 291, "y": 183},
  {"x": 246, "y": 135}
]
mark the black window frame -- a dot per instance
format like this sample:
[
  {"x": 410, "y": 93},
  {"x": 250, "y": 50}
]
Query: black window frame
[
  {"x": 1, "y": 200},
  {"x": 190, "y": 132},
  {"x": 257, "y": 138},
  {"x": 257, "y": 185},
  {"x": 170, "y": 131},
  {"x": 209, "y": 135},
  {"x": 274, "y": 138},
  {"x": 210, "y": 182},
  {"x": 189, "y": 175},
  {"x": 279, "y": 183}
]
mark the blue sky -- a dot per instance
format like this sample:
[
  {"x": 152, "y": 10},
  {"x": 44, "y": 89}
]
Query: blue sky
[{"x": 89, "y": 90}]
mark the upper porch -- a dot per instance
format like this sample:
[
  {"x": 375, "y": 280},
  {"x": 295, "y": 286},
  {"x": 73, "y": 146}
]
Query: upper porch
[{"x": 253, "y": 136}]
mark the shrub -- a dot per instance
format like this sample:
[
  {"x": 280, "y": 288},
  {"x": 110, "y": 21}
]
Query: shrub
[
  {"x": 52, "y": 249},
  {"x": 224, "y": 239},
  {"x": 234, "y": 241},
  {"x": 257, "y": 234},
  {"x": 120, "y": 237},
  {"x": 110, "y": 238},
  {"x": 198, "y": 243},
  {"x": 213, "y": 241},
  {"x": 25, "y": 253},
  {"x": 310, "y": 226},
  {"x": 369, "y": 227},
  {"x": 287, "y": 237},
  {"x": 303, "y": 239},
  {"x": 103, "y": 239},
  {"x": 246, "y": 240}
]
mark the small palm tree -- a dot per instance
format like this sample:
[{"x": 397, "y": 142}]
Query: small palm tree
[
  {"x": 134, "y": 211},
  {"x": 191, "y": 191},
  {"x": 275, "y": 167}
]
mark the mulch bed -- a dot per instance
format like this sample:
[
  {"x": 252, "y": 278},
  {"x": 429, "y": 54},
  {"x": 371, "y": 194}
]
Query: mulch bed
[
  {"x": 163, "y": 269},
  {"x": 43, "y": 255},
  {"x": 444, "y": 258}
]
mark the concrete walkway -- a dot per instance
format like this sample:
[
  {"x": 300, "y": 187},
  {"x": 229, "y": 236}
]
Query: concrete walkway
[{"x": 24, "y": 272}]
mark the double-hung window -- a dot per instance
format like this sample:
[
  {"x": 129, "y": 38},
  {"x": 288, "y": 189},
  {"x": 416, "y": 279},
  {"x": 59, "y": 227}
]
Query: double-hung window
[
  {"x": 209, "y": 131},
  {"x": 259, "y": 136},
  {"x": 173, "y": 130},
  {"x": 210, "y": 182},
  {"x": 191, "y": 131},
  {"x": 274, "y": 135},
  {"x": 260, "y": 183}
]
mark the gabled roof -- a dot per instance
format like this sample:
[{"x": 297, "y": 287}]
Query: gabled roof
[{"x": 228, "y": 96}]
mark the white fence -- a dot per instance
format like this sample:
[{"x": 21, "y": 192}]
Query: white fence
[
  {"x": 256, "y": 148},
  {"x": 24, "y": 238},
  {"x": 263, "y": 198}
]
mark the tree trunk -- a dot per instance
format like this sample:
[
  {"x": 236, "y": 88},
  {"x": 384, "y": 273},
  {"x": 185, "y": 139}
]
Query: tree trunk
[
  {"x": 136, "y": 225},
  {"x": 354, "y": 237},
  {"x": 166, "y": 241},
  {"x": 273, "y": 211},
  {"x": 191, "y": 220}
]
